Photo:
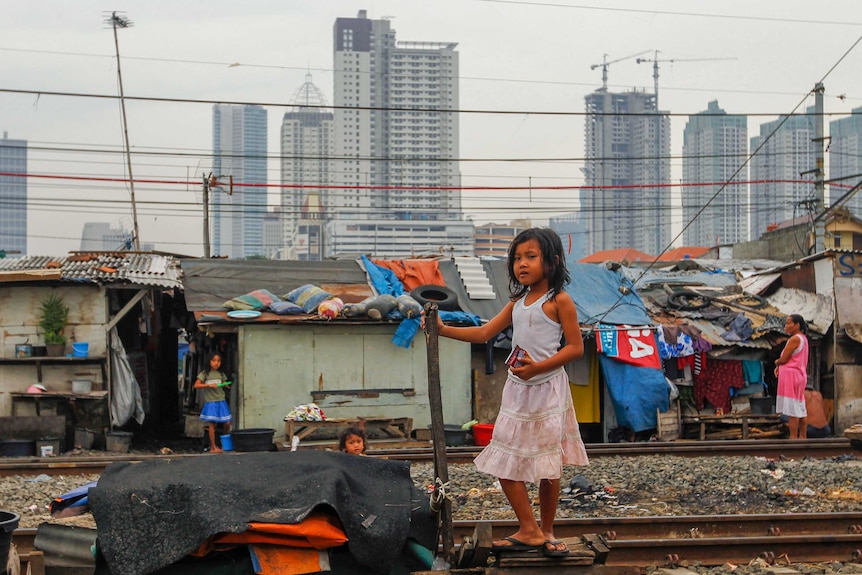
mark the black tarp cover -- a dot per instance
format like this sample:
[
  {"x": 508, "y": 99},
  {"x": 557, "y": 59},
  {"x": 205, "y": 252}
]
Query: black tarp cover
[{"x": 151, "y": 514}]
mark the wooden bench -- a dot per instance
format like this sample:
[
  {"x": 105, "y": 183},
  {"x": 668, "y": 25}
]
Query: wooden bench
[
  {"x": 737, "y": 425},
  {"x": 398, "y": 428}
]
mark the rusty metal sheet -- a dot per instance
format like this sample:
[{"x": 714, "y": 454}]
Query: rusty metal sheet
[
  {"x": 758, "y": 284},
  {"x": 815, "y": 308}
]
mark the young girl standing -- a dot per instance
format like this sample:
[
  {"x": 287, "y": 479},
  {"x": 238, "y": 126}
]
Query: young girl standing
[
  {"x": 536, "y": 432},
  {"x": 215, "y": 409}
]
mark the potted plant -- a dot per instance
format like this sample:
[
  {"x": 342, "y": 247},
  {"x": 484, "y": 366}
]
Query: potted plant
[{"x": 53, "y": 314}]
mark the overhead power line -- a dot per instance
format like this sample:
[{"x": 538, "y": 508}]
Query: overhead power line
[
  {"x": 414, "y": 110},
  {"x": 240, "y": 185}
]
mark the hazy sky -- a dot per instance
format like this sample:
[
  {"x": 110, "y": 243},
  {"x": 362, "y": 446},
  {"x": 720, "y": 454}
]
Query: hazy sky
[{"x": 757, "y": 58}]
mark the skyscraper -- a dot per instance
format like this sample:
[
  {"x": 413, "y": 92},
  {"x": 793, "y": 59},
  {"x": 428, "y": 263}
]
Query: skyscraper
[
  {"x": 239, "y": 150},
  {"x": 397, "y": 154},
  {"x": 307, "y": 165},
  {"x": 778, "y": 164},
  {"x": 845, "y": 159},
  {"x": 714, "y": 146},
  {"x": 627, "y": 148},
  {"x": 13, "y": 196}
]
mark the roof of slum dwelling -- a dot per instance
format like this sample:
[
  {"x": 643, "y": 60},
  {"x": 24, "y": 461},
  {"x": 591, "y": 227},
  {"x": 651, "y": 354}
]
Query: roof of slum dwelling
[
  {"x": 210, "y": 283},
  {"x": 683, "y": 253},
  {"x": 722, "y": 287},
  {"x": 102, "y": 268},
  {"x": 617, "y": 255}
]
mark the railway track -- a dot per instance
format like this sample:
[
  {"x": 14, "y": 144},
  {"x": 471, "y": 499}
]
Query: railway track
[
  {"x": 708, "y": 539},
  {"x": 626, "y": 543},
  {"x": 817, "y": 448},
  {"x": 631, "y": 544}
]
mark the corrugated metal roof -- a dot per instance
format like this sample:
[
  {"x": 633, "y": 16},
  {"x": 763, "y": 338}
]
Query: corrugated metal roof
[
  {"x": 484, "y": 308},
  {"x": 758, "y": 284},
  {"x": 210, "y": 283},
  {"x": 643, "y": 278},
  {"x": 99, "y": 268}
]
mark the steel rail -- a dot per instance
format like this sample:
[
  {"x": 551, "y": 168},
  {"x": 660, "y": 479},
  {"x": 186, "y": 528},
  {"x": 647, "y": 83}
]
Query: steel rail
[
  {"x": 817, "y": 448},
  {"x": 687, "y": 526},
  {"x": 669, "y": 541},
  {"x": 720, "y": 550}
]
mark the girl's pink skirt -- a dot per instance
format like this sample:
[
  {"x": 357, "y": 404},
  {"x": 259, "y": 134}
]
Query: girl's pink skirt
[{"x": 535, "y": 434}]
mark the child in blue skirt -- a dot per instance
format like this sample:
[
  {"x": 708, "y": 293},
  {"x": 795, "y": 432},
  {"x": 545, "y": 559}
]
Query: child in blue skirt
[{"x": 216, "y": 410}]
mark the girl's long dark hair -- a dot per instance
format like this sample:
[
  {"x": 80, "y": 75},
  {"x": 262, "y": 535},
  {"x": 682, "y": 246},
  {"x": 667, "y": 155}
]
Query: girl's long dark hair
[
  {"x": 553, "y": 260},
  {"x": 800, "y": 321}
]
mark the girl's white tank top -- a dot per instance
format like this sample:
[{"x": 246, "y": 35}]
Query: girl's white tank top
[{"x": 535, "y": 332}]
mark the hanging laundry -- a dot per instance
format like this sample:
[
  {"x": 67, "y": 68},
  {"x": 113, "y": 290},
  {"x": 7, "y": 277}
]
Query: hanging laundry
[
  {"x": 634, "y": 345},
  {"x": 714, "y": 383}
]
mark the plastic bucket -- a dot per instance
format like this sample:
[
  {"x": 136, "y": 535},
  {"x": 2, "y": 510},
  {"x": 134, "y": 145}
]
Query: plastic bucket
[
  {"x": 226, "y": 442},
  {"x": 80, "y": 349},
  {"x": 118, "y": 441},
  {"x": 8, "y": 524},
  {"x": 762, "y": 405},
  {"x": 454, "y": 435},
  {"x": 84, "y": 438},
  {"x": 257, "y": 439},
  {"x": 18, "y": 448},
  {"x": 482, "y": 433}
]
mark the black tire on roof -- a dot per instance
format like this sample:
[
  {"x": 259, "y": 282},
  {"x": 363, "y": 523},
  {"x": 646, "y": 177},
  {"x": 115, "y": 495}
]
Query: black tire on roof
[
  {"x": 445, "y": 298},
  {"x": 687, "y": 300}
]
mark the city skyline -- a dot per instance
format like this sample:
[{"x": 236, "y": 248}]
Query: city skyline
[{"x": 524, "y": 71}]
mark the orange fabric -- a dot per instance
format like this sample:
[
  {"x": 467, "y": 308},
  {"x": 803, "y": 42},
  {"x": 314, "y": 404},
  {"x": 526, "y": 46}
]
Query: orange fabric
[
  {"x": 414, "y": 273},
  {"x": 278, "y": 560},
  {"x": 318, "y": 530}
]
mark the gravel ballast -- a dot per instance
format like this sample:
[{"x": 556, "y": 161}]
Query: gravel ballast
[{"x": 610, "y": 487}]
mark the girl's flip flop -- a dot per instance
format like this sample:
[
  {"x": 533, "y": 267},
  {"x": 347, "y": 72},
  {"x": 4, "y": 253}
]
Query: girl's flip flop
[{"x": 549, "y": 548}]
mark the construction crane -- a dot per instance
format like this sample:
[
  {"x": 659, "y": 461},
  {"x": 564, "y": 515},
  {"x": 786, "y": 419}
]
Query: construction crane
[
  {"x": 604, "y": 65},
  {"x": 655, "y": 60}
]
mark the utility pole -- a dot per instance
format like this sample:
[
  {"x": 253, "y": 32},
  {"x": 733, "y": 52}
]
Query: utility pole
[
  {"x": 206, "y": 193},
  {"x": 117, "y": 21},
  {"x": 820, "y": 223},
  {"x": 210, "y": 182}
]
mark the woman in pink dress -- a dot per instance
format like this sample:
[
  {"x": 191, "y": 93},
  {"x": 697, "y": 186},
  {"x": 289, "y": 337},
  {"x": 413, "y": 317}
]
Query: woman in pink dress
[{"x": 792, "y": 372}]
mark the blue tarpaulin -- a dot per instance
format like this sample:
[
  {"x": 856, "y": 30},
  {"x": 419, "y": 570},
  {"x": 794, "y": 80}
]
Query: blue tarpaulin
[
  {"x": 636, "y": 393},
  {"x": 596, "y": 292}
]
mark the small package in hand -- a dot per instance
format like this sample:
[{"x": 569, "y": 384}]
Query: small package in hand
[{"x": 514, "y": 359}]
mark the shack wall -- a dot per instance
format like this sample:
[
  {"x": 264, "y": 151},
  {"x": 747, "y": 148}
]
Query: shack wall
[
  {"x": 19, "y": 316},
  {"x": 348, "y": 370}
]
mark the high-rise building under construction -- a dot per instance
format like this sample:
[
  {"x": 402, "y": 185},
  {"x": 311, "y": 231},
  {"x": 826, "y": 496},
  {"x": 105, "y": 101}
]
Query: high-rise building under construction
[{"x": 626, "y": 200}]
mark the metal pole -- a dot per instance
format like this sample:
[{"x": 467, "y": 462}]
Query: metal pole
[
  {"x": 820, "y": 224},
  {"x": 438, "y": 436},
  {"x": 115, "y": 20},
  {"x": 206, "y": 217}
]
